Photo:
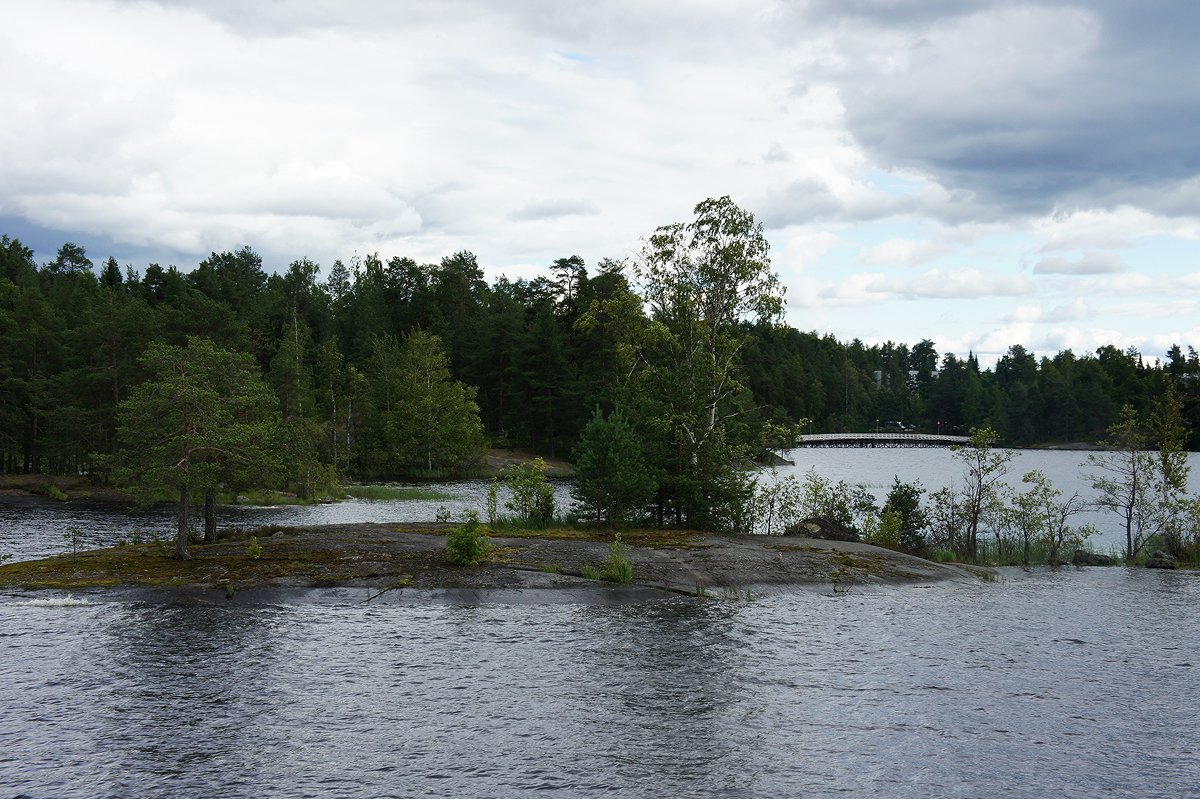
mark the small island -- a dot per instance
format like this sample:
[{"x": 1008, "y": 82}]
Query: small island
[{"x": 410, "y": 560}]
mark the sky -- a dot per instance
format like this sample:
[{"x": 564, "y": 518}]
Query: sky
[{"x": 979, "y": 173}]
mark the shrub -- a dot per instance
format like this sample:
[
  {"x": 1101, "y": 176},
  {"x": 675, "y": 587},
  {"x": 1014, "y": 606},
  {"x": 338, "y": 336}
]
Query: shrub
[
  {"x": 618, "y": 568},
  {"x": 493, "y": 501},
  {"x": 943, "y": 556},
  {"x": 74, "y": 538},
  {"x": 611, "y": 478},
  {"x": 254, "y": 551},
  {"x": 467, "y": 545},
  {"x": 887, "y": 532},
  {"x": 532, "y": 497},
  {"x": 55, "y": 493}
]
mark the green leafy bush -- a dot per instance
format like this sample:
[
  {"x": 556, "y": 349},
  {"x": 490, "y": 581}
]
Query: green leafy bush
[
  {"x": 532, "y": 497},
  {"x": 467, "y": 545},
  {"x": 617, "y": 567},
  {"x": 887, "y": 531},
  {"x": 255, "y": 550}
]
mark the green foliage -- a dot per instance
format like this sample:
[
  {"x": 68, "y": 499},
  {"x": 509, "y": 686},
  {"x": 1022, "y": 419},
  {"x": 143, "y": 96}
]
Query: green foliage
[
  {"x": 777, "y": 504},
  {"x": 943, "y": 556},
  {"x": 532, "y": 496},
  {"x": 160, "y": 544},
  {"x": 75, "y": 539},
  {"x": 493, "y": 501},
  {"x": 589, "y": 573},
  {"x": 617, "y": 567},
  {"x": 612, "y": 481},
  {"x": 1040, "y": 518},
  {"x": 55, "y": 493},
  {"x": 981, "y": 498},
  {"x": 1125, "y": 479},
  {"x": 904, "y": 499},
  {"x": 703, "y": 373},
  {"x": 392, "y": 492},
  {"x": 701, "y": 280},
  {"x": 467, "y": 545},
  {"x": 886, "y": 532},
  {"x": 255, "y": 550},
  {"x": 203, "y": 418},
  {"x": 1171, "y": 468},
  {"x": 849, "y": 505},
  {"x": 433, "y": 421}
]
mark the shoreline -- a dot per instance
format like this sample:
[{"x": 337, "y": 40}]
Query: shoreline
[{"x": 406, "y": 563}]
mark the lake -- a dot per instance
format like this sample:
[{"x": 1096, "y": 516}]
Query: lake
[
  {"x": 1075, "y": 683},
  {"x": 36, "y": 529},
  {"x": 1066, "y": 683}
]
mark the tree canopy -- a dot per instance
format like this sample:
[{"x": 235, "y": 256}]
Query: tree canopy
[
  {"x": 684, "y": 339},
  {"x": 203, "y": 418}
]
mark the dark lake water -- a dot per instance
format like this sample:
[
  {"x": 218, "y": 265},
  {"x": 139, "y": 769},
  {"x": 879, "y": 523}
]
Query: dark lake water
[
  {"x": 1077, "y": 683},
  {"x": 1069, "y": 683}
]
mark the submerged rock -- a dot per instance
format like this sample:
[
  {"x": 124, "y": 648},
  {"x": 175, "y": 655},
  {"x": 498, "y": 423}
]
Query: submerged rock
[
  {"x": 1160, "y": 560},
  {"x": 1084, "y": 558},
  {"x": 823, "y": 529}
]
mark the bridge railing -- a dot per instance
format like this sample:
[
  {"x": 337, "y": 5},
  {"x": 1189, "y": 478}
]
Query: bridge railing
[{"x": 869, "y": 439}]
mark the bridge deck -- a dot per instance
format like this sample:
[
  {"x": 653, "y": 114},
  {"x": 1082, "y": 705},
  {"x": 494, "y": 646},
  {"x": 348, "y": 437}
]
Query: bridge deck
[{"x": 879, "y": 440}]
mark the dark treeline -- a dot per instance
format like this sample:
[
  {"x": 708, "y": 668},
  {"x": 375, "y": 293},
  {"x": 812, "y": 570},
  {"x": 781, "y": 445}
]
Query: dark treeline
[
  {"x": 1027, "y": 400},
  {"x": 539, "y": 355}
]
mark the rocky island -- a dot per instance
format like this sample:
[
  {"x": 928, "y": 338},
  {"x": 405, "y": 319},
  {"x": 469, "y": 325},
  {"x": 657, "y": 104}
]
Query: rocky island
[{"x": 408, "y": 561}]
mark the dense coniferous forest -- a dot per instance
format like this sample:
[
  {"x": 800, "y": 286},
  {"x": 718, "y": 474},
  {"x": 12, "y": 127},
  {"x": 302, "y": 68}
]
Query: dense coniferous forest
[{"x": 535, "y": 357}]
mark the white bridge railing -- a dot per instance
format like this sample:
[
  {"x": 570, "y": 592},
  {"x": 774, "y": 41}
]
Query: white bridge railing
[{"x": 885, "y": 439}]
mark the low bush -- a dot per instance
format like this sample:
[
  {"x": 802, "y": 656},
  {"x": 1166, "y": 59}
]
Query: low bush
[
  {"x": 617, "y": 567},
  {"x": 467, "y": 545}
]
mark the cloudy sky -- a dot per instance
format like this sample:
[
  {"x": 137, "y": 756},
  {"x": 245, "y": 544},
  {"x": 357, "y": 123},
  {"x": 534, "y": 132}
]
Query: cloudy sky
[{"x": 980, "y": 173}]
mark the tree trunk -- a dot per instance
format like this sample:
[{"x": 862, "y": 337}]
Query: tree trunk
[
  {"x": 210, "y": 516},
  {"x": 181, "y": 537}
]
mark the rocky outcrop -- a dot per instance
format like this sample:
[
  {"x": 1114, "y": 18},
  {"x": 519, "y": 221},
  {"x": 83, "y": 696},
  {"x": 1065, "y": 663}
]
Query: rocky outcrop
[
  {"x": 1160, "y": 560},
  {"x": 823, "y": 529},
  {"x": 1084, "y": 558}
]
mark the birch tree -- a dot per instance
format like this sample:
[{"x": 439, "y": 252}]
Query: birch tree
[{"x": 700, "y": 281}]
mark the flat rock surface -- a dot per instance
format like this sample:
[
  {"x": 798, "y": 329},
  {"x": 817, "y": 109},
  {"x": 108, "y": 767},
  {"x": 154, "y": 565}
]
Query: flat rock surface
[{"x": 409, "y": 559}]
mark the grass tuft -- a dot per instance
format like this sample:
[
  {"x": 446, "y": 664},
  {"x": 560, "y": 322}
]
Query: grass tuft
[{"x": 394, "y": 492}]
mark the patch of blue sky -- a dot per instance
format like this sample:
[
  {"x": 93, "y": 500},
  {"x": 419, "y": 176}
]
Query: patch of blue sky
[
  {"x": 896, "y": 184},
  {"x": 1164, "y": 255},
  {"x": 571, "y": 55}
]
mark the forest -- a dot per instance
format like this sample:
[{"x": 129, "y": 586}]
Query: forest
[{"x": 385, "y": 368}]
